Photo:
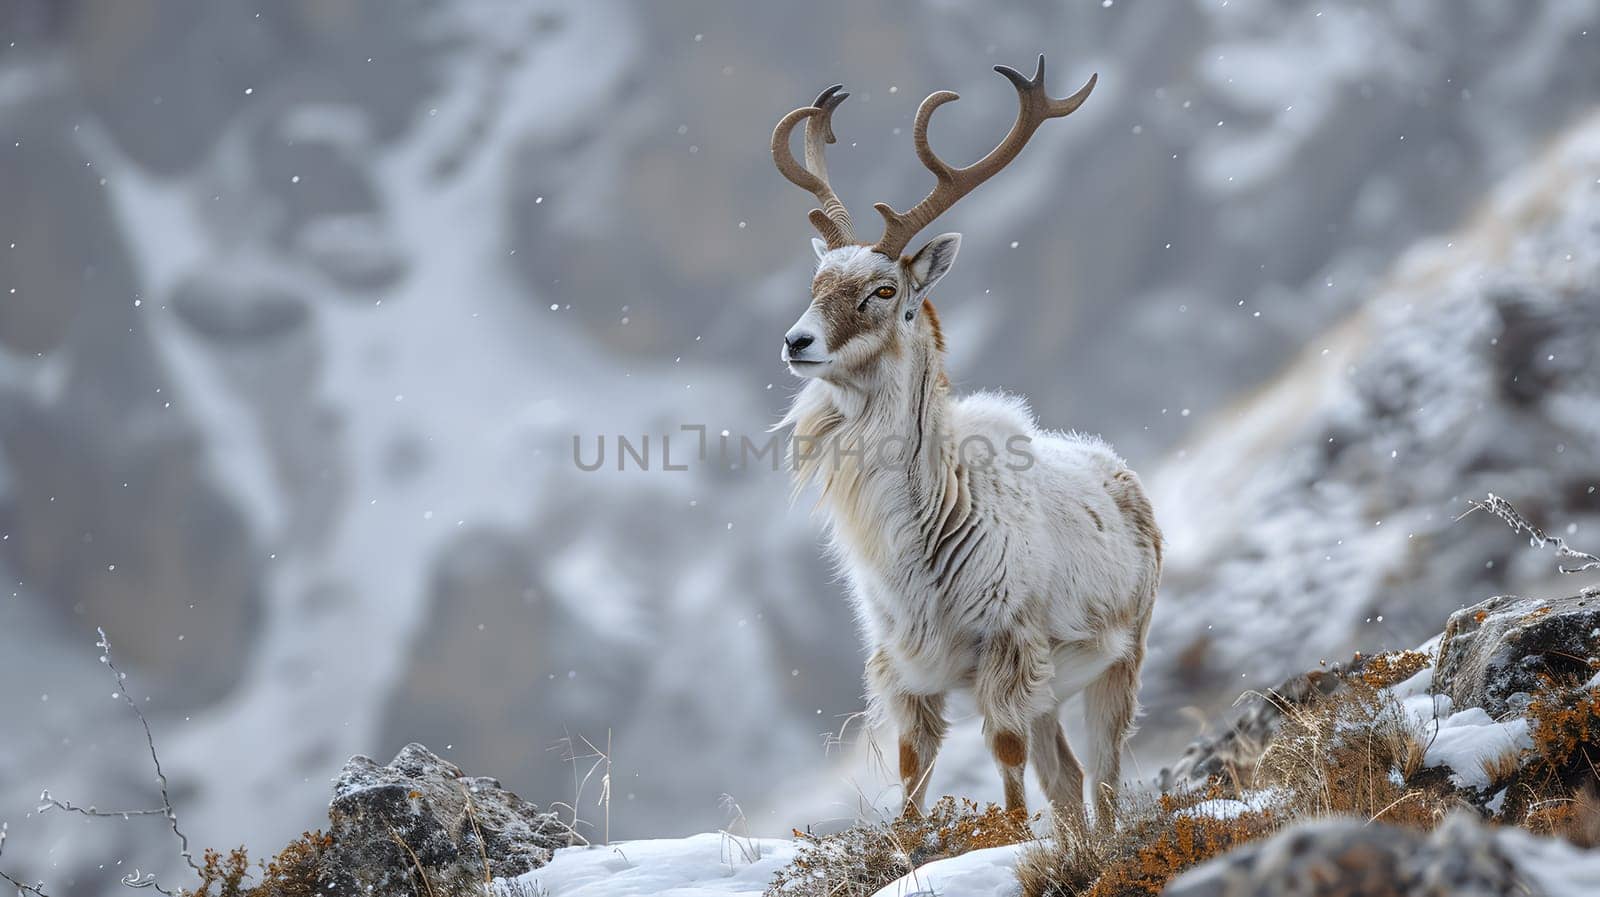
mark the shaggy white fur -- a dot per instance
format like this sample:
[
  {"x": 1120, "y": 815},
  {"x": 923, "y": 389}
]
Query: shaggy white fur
[{"x": 982, "y": 552}]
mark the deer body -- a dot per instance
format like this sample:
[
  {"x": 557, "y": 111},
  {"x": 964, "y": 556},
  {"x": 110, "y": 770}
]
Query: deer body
[{"x": 982, "y": 552}]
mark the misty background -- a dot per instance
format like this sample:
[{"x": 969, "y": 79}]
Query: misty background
[{"x": 303, "y": 304}]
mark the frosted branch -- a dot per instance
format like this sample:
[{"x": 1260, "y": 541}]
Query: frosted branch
[{"x": 1537, "y": 538}]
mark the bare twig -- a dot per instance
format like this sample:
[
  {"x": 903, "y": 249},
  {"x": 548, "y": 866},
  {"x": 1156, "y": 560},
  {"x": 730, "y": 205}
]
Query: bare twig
[
  {"x": 575, "y": 837},
  {"x": 421, "y": 872},
  {"x": 483, "y": 849},
  {"x": 1503, "y": 509},
  {"x": 134, "y": 879},
  {"x": 602, "y": 760},
  {"x": 604, "y": 802},
  {"x": 749, "y": 847},
  {"x": 36, "y": 889},
  {"x": 48, "y": 801},
  {"x": 832, "y": 740}
]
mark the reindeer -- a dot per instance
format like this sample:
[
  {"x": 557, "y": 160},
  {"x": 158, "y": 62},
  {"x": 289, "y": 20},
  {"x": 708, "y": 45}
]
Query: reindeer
[{"x": 1027, "y": 580}]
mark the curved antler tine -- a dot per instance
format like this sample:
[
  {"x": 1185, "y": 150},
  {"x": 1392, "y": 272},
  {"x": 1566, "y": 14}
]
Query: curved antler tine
[
  {"x": 1022, "y": 84},
  {"x": 819, "y": 132},
  {"x": 828, "y": 101},
  {"x": 1062, "y": 107},
  {"x": 829, "y": 228},
  {"x": 783, "y": 156},
  {"x": 813, "y": 175},
  {"x": 919, "y": 134}
]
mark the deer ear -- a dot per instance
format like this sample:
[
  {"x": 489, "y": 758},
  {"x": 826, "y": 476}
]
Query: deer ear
[
  {"x": 819, "y": 247},
  {"x": 933, "y": 261}
]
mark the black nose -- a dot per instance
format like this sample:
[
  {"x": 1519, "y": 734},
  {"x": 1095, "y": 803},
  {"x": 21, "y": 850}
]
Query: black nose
[{"x": 798, "y": 343}]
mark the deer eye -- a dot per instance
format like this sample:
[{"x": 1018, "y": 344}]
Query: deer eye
[{"x": 884, "y": 292}]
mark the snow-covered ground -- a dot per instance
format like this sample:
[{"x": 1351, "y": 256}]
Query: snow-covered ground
[
  {"x": 722, "y": 865},
  {"x": 716, "y": 864}
]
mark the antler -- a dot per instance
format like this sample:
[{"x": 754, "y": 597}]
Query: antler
[
  {"x": 1035, "y": 106},
  {"x": 832, "y": 220}
]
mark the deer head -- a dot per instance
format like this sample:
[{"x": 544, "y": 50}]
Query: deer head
[{"x": 863, "y": 297}]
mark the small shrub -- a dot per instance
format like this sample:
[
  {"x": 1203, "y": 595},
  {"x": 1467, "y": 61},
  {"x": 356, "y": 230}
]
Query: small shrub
[
  {"x": 295, "y": 872},
  {"x": 1562, "y": 765},
  {"x": 1353, "y": 752},
  {"x": 860, "y": 860},
  {"x": 1153, "y": 840},
  {"x": 1566, "y": 728},
  {"x": 1392, "y": 668},
  {"x": 225, "y": 874},
  {"x": 1576, "y": 819},
  {"x": 297, "y": 869}
]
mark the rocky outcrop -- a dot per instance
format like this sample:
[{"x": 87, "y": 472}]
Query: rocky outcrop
[
  {"x": 1515, "y": 674},
  {"x": 1349, "y": 857},
  {"x": 1228, "y": 754},
  {"x": 1498, "y": 653},
  {"x": 422, "y": 819},
  {"x": 1224, "y": 754}
]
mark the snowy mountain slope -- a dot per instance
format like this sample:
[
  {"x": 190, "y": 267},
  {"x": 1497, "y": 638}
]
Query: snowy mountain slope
[
  {"x": 456, "y": 403},
  {"x": 1321, "y": 514}
]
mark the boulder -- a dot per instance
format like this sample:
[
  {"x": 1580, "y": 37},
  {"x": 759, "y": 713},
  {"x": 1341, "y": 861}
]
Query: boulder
[
  {"x": 1498, "y": 652},
  {"x": 1346, "y": 857},
  {"x": 422, "y": 819}
]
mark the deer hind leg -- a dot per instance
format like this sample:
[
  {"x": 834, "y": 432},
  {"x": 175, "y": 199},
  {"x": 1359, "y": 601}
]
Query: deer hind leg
[
  {"x": 1110, "y": 704},
  {"x": 1012, "y": 689},
  {"x": 920, "y": 724},
  {"x": 920, "y": 719},
  {"x": 1060, "y": 775}
]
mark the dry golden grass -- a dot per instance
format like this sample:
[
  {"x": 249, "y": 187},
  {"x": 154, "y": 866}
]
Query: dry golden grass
[
  {"x": 1354, "y": 753},
  {"x": 863, "y": 858},
  {"x": 1347, "y": 753},
  {"x": 1576, "y": 818},
  {"x": 1154, "y": 839},
  {"x": 1501, "y": 767}
]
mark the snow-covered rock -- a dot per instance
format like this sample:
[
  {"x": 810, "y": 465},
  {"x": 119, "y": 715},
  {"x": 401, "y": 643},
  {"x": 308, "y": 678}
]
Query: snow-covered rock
[
  {"x": 1497, "y": 653},
  {"x": 1336, "y": 857},
  {"x": 421, "y": 812}
]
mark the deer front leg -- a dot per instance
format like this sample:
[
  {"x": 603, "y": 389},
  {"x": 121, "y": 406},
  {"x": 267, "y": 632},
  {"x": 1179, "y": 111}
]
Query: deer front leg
[
  {"x": 1012, "y": 689},
  {"x": 920, "y": 725}
]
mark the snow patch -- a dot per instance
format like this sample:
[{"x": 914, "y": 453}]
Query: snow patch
[
  {"x": 1465, "y": 740},
  {"x": 991, "y": 872},
  {"x": 708, "y": 865}
]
